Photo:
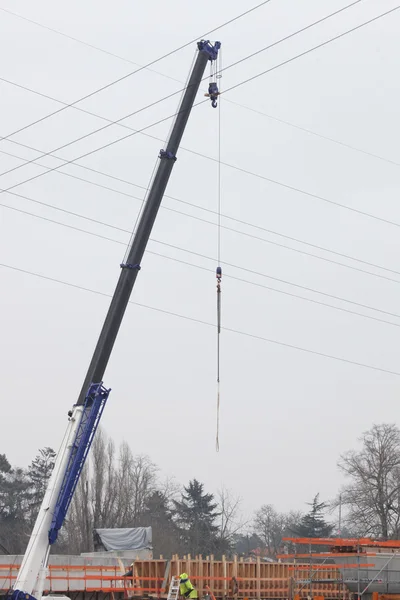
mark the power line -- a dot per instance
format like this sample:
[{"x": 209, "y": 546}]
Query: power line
[
  {"x": 203, "y": 256},
  {"x": 166, "y": 76},
  {"x": 111, "y": 123},
  {"x": 314, "y": 133},
  {"x": 90, "y": 133},
  {"x": 293, "y": 188},
  {"x": 200, "y": 321},
  {"x": 140, "y": 68},
  {"x": 229, "y": 165},
  {"x": 251, "y": 236},
  {"x": 90, "y": 152},
  {"x": 289, "y": 60},
  {"x": 66, "y": 105},
  {"x": 71, "y": 37}
]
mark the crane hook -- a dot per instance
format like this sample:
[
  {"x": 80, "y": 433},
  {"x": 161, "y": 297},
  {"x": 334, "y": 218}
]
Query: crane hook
[{"x": 213, "y": 93}]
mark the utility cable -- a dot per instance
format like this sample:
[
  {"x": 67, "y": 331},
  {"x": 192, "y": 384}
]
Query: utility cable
[
  {"x": 111, "y": 123},
  {"x": 93, "y": 132},
  {"x": 229, "y": 165},
  {"x": 208, "y": 324},
  {"x": 166, "y": 76},
  {"x": 227, "y": 228},
  {"x": 321, "y": 136},
  {"x": 235, "y": 266},
  {"x": 229, "y": 89},
  {"x": 108, "y": 85},
  {"x": 243, "y": 233},
  {"x": 337, "y": 37}
]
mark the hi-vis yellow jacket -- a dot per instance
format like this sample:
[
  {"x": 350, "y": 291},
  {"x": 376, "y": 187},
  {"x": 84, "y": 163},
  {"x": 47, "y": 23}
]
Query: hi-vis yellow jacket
[{"x": 186, "y": 588}]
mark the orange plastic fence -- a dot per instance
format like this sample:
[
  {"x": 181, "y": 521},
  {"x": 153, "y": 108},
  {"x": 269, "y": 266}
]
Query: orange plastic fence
[
  {"x": 253, "y": 580},
  {"x": 344, "y": 542}
]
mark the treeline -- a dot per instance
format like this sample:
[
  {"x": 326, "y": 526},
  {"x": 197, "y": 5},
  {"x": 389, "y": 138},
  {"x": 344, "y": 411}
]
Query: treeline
[{"x": 118, "y": 489}]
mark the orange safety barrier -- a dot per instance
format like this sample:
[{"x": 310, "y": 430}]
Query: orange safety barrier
[
  {"x": 323, "y": 555},
  {"x": 344, "y": 542},
  {"x": 254, "y": 580},
  {"x": 329, "y": 567}
]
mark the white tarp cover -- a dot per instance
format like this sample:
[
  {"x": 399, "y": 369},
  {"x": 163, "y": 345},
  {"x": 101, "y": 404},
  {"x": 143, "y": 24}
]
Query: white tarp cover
[{"x": 139, "y": 538}]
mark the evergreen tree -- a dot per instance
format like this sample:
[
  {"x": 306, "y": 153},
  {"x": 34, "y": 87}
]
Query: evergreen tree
[
  {"x": 158, "y": 515},
  {"x": 38, "y": 474},
  {"x": 13, "y": 504},
  {"x": 5, "y": 466},
  {"x": 195, "y": 515},
  {"x": 5, "y": 469},
  {"x": 313, "y": 524}
]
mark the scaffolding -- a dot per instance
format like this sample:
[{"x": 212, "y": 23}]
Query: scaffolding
[{"x": 363, "y": 567}]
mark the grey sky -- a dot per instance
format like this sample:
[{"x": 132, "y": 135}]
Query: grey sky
[{"x": 285, "y": 415}]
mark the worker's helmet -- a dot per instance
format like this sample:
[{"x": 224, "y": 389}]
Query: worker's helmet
[{"x": 184, "y": 577}]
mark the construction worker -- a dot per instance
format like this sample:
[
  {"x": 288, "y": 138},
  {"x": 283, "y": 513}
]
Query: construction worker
[
  {"x": 186, "y": 588},
  {"x": 129, "y": 573}
]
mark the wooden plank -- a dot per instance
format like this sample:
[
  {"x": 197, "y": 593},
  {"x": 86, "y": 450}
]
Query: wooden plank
[
  {"x": 258, "y": 575},
  {"x": 200, "y": 574}
]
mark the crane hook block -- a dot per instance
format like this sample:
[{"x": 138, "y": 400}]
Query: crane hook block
[
  {"x": 219, "y": 272},
  {"x": 213, "y": 93}
]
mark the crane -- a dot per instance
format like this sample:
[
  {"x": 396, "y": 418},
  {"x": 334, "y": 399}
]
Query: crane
[{"x": 86, "y": 413}]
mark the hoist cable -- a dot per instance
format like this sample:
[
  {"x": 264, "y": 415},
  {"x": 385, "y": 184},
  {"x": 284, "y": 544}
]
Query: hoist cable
[{"x": 219, "y": 270}]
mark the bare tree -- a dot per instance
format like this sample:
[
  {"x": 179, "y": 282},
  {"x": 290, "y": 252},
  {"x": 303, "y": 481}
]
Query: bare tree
[
  {"x": 271, "y": 526},
  {"x": 137, "y": 478},
  {"x": 231, "y": 521},
  {"x": 169, "y": 488},
  {"x": 103, "y": 485},
  {"x": 79, "y": 525},
  {"x": 372, "y": 496},
  {"x": 143, "y": 477},
  {"x": 112, "y": 493}
]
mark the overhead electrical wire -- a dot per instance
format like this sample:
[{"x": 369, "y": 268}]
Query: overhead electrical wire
[
  {"x": 74, "y": 39},
  {"x": 166, "y": 76},
  {"x": 321, "y": 45},
  {"x": 225, "y": 227},
  {"x": 293, "y": 188},
  {"x": 336, "y": 37},
  {"x": 149, "y": 64},
  {"x": 219, "y": 215},
  {"x": 232, "y": 265},
  {"x": 111, "y": 123},
  {"x": 202, "y": 322},
  {"x": 229, "y": 165},
  {"x": 326, "y": 138}
]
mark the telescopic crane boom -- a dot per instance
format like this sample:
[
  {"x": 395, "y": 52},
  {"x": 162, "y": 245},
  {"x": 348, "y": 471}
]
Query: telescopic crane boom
[{"x": 85, "y": 415}]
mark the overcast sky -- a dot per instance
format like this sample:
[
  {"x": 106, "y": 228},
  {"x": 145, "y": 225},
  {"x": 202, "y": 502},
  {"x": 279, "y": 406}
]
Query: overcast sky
[{"x": 286, "y": 415}]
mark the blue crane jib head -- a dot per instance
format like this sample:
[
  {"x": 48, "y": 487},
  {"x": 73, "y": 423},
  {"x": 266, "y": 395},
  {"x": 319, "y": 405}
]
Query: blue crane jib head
[{"x": 210, "y": 49}]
